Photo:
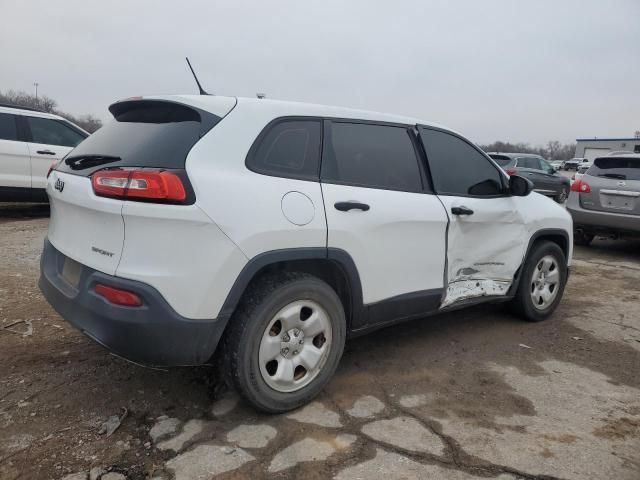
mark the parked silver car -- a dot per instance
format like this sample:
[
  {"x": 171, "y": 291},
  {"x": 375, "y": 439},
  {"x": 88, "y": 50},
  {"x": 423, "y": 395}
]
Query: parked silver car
[{"x": 606, "y": 200}]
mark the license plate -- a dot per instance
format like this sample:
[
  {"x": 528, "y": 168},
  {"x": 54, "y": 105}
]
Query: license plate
[
  {"x": 618, "y": 202},
  {"x": 71, "y": 271}
]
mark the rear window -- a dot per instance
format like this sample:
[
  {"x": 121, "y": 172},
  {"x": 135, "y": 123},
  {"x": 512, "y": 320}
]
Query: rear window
[
  {"x": 621, "y": 168},
  {"x": 143, "y": 133}
]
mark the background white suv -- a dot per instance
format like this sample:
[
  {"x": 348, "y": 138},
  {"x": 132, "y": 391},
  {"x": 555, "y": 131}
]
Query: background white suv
[
  {"x": 276, "y": 230},
  {"x": 30, "y": 141}
]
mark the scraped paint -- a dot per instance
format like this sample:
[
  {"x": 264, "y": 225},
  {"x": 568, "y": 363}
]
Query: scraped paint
[{"x": 474, "y": 287}]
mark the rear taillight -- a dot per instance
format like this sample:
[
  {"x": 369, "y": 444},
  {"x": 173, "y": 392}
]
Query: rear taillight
[
  {"x": 138, "y": 184},
  {"x": 511, "y": 171},
  {"x": 118, "y": 296},
  {"x": 52, "y": 167},
  {"x": 580, "y": 186}
]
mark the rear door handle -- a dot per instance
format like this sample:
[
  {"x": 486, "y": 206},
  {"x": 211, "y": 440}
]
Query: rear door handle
[
  {"x": 46, "y": 152},
  {"x": 346, "y": 206},
  {"x": 461, "y": 211}
]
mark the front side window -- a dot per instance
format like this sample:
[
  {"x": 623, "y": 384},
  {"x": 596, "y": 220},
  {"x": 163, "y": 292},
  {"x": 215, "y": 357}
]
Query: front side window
[
  {"x": 53, "y": 132},
  {"x": 373, "y": 156},
  {"x": 288, "y": 148},
  {"x": 457, "y": 168},
  {"x": 8, "y": 127},
  {"x": 546, "y": 166}
]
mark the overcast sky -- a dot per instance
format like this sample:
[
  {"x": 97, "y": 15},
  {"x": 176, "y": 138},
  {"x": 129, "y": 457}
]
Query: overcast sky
[{"x": 511, "y": 70}]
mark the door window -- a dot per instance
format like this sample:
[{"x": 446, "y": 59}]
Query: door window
[
  {"x": 373, "y": 156},
  {"x": 458, "y": 168},
  {"x": 288, "y": 148},
  {"x": 529, "y": 162},
  {"x": 547, "y": 167},
  {"x": 53, "y": 132},
  {"x": 8, "y": 127}
]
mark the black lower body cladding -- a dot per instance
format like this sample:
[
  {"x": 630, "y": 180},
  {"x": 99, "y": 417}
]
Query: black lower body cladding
[{"x": 153, "y": 334}]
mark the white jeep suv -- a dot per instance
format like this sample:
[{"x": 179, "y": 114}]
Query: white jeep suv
[
  {"x": 30, "y": 141},
  {"x": 273, "y": 231}
]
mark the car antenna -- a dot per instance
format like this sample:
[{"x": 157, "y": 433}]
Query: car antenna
[{"x": 202, "y": 91}]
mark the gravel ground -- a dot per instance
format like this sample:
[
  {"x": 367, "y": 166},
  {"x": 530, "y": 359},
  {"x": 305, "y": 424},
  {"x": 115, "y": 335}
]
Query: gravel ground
[{"x": 470, "y": 394}]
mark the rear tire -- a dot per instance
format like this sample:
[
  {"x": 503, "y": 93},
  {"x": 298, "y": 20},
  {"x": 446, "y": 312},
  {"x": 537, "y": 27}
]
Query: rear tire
[
  {"x": 538, "y": 296},
  {"x": 275, "y": 360},
  {"x": 561, "y": 197}
]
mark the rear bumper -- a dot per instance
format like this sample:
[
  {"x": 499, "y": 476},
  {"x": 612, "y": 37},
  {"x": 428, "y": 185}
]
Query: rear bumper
[
  {"x": 595, "y": 221},
  {"x": 152, "y": 334}
]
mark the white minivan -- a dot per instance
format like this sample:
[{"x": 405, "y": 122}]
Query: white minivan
[
  {"x": 262, "y": 234},
  {"x": 30, "y": 141}
]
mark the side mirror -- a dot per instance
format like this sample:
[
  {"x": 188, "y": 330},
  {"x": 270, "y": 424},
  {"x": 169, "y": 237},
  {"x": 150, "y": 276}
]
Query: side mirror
[{"x": 520, "y": 186}]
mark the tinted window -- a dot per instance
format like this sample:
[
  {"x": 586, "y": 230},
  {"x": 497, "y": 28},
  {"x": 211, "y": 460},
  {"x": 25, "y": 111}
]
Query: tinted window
[
  {"x": 529, "y": 162},
  {"x": 289, "y": 148},
  {"x": 502, "y": 160},
  {"x": 457, "y": 167},
  {"x": 620, "y": 168},
  {"x": 144, "y": 133},
  {"x": 374, "y": 156},
  {"x": 546, "y": 166},
  {"x": 7, "y": 127},
  {"x": 53, "y": 132}
]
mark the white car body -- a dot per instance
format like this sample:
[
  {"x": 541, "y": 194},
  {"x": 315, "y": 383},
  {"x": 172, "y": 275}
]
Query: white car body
[
  {"x": 24, "y": 158},
  {"x": 581, "y": 170},
  {"x": 407, "y": 252}
]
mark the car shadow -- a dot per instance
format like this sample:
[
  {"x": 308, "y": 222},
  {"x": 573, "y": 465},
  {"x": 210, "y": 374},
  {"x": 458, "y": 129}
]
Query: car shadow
[{"x": 23, "y": 210}]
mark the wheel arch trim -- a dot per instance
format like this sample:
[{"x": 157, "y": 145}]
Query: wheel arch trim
[
  {"x": 537, "y": 235},
  {"x": 338, "y": 257}
]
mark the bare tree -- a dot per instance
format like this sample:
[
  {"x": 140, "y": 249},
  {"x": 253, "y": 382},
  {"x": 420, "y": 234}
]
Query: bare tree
[
  {"x": 553, "y": 148},
  {"x": 49, "y": 105},
  {"x": 553, "y": 151}
]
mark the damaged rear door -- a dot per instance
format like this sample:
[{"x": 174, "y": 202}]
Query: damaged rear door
[{"x": 486, "y": 237}]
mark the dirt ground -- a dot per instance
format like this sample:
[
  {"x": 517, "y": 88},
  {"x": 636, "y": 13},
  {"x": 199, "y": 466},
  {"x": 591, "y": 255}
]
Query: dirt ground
[{"x": 469, "y": 394}]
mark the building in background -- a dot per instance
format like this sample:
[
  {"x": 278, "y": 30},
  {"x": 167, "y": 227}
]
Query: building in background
[{"x": 591, "y": 148}]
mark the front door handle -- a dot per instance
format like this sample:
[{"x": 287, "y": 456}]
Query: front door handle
[
  {"x": 46, "y": 152},
  {"x": 346, "y": 206},
  {"x": 461, "y": 211}
]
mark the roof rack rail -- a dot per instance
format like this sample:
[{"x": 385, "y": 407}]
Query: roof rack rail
[{"x": 31, "y": 109}]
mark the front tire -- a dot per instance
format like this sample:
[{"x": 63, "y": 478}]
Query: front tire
[
  {"x": 285, "y": 341},
  {"x": 542, "y": 282}
]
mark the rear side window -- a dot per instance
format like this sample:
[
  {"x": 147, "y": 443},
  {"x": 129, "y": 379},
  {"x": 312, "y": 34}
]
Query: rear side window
[
  {"x": 457, "y": 168},
  {"x": 8, "y": 127},
  {"x": 621, "y": 168},
  {"x": 367, "y": 155},
  {"x": 143, "y": 133},
  {"x": 502, "y": 160},
  {"x": 288, "y": 148},
  {"x": 529, "y": 162},
  {"x": 53, "y": 132}
]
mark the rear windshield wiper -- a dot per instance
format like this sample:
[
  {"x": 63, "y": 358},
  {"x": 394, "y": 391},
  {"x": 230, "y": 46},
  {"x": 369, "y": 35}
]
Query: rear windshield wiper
[
  {"x": 619, "y": 176},
  {"x": 81, "y": 162}
]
